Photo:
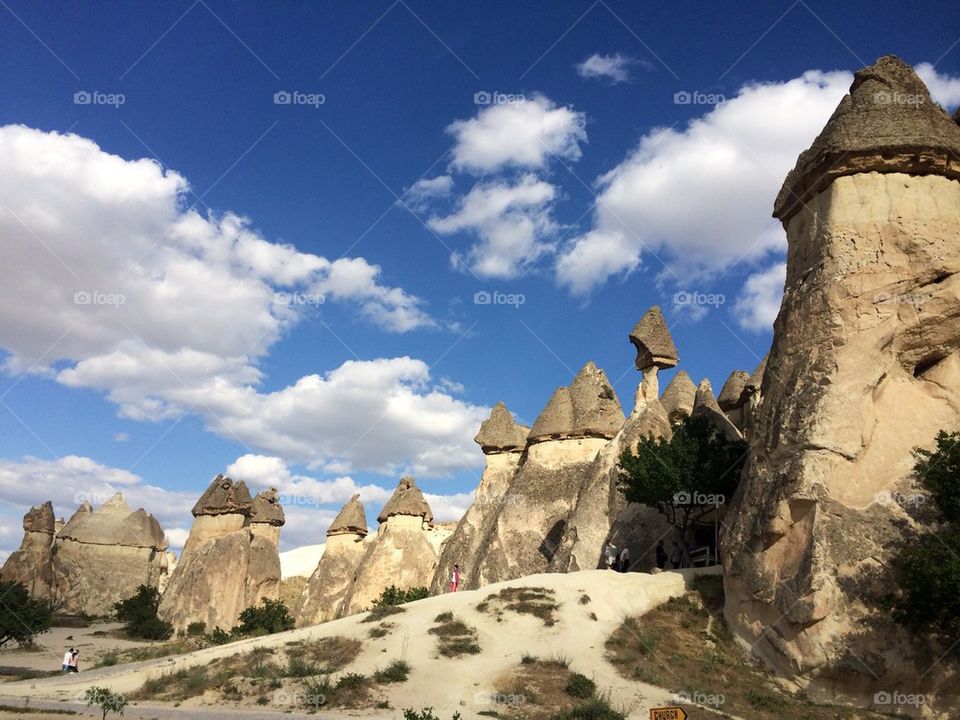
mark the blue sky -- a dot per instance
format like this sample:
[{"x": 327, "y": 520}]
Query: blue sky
[{"x": 583, "y": 161}]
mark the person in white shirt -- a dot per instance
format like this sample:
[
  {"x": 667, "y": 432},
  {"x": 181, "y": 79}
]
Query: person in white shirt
[
  {"x": 610, "y": 554},
  {"x": 67, "y": 659}
]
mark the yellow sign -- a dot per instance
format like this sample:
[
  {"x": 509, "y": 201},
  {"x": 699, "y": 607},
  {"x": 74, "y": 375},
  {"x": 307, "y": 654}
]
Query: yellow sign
[{"x": 668, "y": 713}]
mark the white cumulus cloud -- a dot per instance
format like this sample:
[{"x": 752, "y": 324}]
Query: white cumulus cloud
[
  {"x": 614, "y": 68},
  {"x": 525, "y": 133},
  {"x": 759, "y": 301}
]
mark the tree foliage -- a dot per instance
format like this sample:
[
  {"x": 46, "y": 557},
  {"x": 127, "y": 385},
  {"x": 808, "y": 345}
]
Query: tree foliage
[
  {"x": 271, "y": 616},
  {"x": 106, "y": 700},
  {"x": 684, "y": 477},
  {"x": 21, "y": 617},
  {"x": 394, "y": 596},
  {"x": 928, "y": 570},
  {"x": 139, "y": 612}
]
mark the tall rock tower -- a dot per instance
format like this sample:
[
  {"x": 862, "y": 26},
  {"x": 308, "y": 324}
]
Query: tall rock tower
[
  {"x": 502, "y": 440},
  {"x": 322, "y": 598},
  {"x": 864, "y": 367},
  {"x": 32, "y": 563}
]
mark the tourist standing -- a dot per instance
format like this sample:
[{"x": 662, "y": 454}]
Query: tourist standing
[
  {"x": 661, "y": 555},
  {"x": 624, "y": 559},
  {"x": 610, "y": 553},
  {"x": 676, "y": 556},
  {"x": 455, "y": 578},
  {"x": 67, "y": 659},
  {"x": 74, "y": 660}
]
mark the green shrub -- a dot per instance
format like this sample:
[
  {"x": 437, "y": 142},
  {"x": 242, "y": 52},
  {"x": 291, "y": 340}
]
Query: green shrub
[
  {"x": 22, "y": 617},
  {"x": 596, "y": 709},
  {"x": 219, "y": 636},
  {"x": 298, "y": 667},
  {"x": 424, "y": 714},
  {"x": 139, "y": 613},
  {"x": 196, "y": 629},
  {"x": 397, "y": 671},
  {"x": 272, "y": 616},
  {"x": 580, "y": 686},
  {"x": 394, "y": 596}
]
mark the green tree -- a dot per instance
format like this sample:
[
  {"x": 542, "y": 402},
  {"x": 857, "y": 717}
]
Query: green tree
[
  {"x": 21, "y": 617},
  {"x": 139, "y": 612},
  {"x": 106, "y": 700},
  {"x": 928, "y": 569},
  {"x": 685, "y": 477},
  {"x": 395, "y": 596}
]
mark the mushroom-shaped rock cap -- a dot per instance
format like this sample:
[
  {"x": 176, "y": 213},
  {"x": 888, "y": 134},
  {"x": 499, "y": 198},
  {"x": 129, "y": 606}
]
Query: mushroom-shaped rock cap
[
  {"x": 596, "y": 408},
  {"x": 40, "y": 518},
  {"x": 406, "y": 500},
  {"x": 500, "y": 432},
  {"x": 267, "y": 509},
  {"x": 224, "y": 497},
  {"x": 653, "y": 341},
  {"x": 556, "y": 419},
  {"x": 730, "y": 395},
  {"x": 679, "y": 396},
  {"x": 887, "y": 123},
  {"x": 351, "y": 519}
]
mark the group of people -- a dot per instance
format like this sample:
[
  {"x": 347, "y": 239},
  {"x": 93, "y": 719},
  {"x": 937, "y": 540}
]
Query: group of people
[
  {"x": 676, "y": 556},
  {"x": 619, "y": 561},
  {"x": 70, "y": 660}
]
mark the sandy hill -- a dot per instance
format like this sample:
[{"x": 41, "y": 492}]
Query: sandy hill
[
  {"x": 301, "y": 561},
  {"x": 590, "y": 605}
]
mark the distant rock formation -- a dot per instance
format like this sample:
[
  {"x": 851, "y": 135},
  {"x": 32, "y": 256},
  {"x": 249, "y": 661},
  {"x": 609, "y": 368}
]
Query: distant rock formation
[
  {"x": 731, "y": 398},
  {"x": 96, "y": 559},
  {"x": 502, "y": 440},
  {"x": 600, "y": 511},
  {"x": 678, "y": 398},
  {"x": 322, "y": 598},
  {"x": 529, "y": 521},
  {"x": 230, "y": 560},
  {"x": 402, "y": 554},
  {"x": 101, "y": 556},
  {"x": 865, "y": 366},
  {"x": 705, "y": 406},
  {"x": 32, "y": 563}
]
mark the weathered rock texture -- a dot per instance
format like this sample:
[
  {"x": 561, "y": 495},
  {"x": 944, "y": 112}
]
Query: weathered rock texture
[
  {"x": 705, "y": 405},
  {"x": 678, "y": 398},
  {"x": 230, "y": 561},
  {"x": 731, "y": 398},
  {"x": 864, "y": 367},
  {"x": 101, "y": 556},
  {"x": 528, "y": 523},
  {"x": 401, "y": 554},
  {"x": 502, "y": 440},
  {"x": 32, "y": 563},
  {"x": 322, "y": 598},
  {"x": 653, "y": 342}
]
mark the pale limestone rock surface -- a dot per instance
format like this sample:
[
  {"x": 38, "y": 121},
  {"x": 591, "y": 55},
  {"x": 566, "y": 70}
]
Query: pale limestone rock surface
[
  {"x": 401, "y": 554},
  {"x": 229, "y": 562},
  {"x": 865, "y": 366},
  {"x": 322, "y": 597},
  {"x": 705, "y": 406},
  {"x": 502, "y": 440},
  {"x": 529, "y": 521},
  {"x": 102, "y": 556},
  {"x": 679, "y": 396},
  {"x": 32, "y": 563}
]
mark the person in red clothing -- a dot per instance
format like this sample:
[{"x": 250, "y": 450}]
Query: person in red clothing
[{"x": 455, "y": 579}]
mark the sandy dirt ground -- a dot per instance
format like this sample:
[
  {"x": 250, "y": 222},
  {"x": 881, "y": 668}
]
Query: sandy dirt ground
[{"x": 462, "y": 684}]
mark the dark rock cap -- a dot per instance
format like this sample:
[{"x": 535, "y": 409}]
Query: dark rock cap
[
  {"x": 351, "y": 519},
  {"x": 730, "y": 396},
  {"x": 267, "y": 509},
  {"x": 588, "y": 408},
  {"x": 40, "y": 518},
  {"x": 406, "y": 500},
  {"x": 223, "y": 497},
  {"x": 500, "y": 432},
  {"x": 887, "y": 123},
  {"x": 679, "y": 396},
  {"x": 653, "y": 341}
]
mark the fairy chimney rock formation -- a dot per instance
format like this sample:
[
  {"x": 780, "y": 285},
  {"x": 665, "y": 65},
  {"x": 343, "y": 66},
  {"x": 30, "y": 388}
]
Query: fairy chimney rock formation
[
  {"x": 229, "y": 562},
  {"x": 502, "y": 440},
  {"x": 322, "y": 597},
  {"x": 705, "y": 406},
  {"x": 864, "y": 367},
  {"x": 406, "y": 501},
  {"x": 102, "y": 556},
  {"x": 499, "y": 433},
  {"x": 679, "y": 397},
  {"x": 653, "y": 342},
  {"x": 401, "y": 554},
  {"x": 732, "y": 390},
  {"x": 32, "y": 563}
]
